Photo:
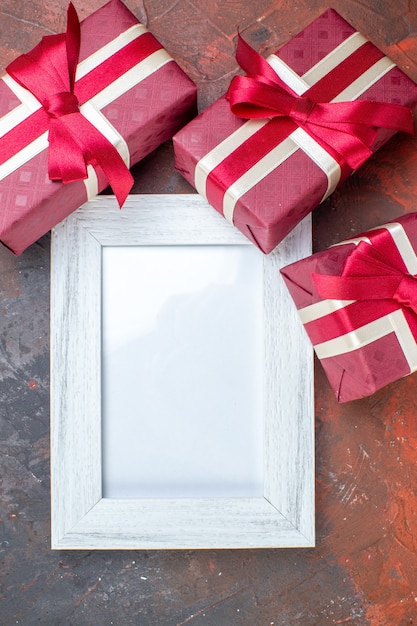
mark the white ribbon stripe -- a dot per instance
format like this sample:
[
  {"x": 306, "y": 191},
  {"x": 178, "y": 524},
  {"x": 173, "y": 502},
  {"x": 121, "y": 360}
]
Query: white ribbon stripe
[
  {"x": 393, "y": 323},
  {"x": 109, "y": 49}
]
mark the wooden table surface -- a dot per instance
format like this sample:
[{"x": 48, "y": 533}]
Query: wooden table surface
[{"x": 364, "y": 567}]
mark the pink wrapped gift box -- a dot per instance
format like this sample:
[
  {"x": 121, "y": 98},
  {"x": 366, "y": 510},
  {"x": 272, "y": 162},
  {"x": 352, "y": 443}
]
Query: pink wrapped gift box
[
  {"x": 358, "y": 303},
  {"x": 127, "y": 86},
  {"x": 265, "y": 179}
]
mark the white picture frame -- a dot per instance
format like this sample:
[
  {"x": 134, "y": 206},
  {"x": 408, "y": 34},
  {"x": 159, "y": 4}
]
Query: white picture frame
[{"x": 81, "y": 518}]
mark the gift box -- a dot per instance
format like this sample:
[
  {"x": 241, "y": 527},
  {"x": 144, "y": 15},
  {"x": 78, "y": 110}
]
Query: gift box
[
  {"x": 358, "y": 303},
  {"x": 294, "y": 128},
  {"x": 76, "y": 112}
]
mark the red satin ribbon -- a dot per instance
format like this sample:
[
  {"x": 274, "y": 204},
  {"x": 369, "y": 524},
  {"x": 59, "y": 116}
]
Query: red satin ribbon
[
  {"x": 371, "y": 273},
  {"x": 48, "y": 72},
  {"x": 349, "y": 128}
]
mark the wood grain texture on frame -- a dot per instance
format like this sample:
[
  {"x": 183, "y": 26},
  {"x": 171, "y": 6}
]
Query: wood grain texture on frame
[{"x": 81, "y": 517}]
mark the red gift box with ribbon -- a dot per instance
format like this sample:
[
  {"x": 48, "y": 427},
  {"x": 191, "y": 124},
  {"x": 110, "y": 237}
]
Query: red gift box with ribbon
[
  {"x": 358, "y": 303},
  {"x": 294, "y": 128},
  {"x": 76, "y": 112}
]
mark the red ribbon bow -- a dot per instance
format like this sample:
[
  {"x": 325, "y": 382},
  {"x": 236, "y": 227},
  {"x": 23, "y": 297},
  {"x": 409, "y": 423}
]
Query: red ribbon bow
[
  {"x": 347, "y": 128},
  {"x": 369, "y": 274},
  {"x": 48, "y": 72}
]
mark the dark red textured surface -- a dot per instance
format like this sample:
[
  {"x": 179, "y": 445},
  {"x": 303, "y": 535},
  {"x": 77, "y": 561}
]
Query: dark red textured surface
[{"x": 364, "y": 568}]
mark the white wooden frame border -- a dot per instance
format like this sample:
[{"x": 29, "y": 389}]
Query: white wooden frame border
[{"x": 81, "y": 517}]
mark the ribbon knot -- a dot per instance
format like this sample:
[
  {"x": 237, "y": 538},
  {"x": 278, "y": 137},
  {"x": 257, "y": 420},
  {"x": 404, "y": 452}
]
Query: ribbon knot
[
  {"x": 371, "y": 272},
  {"x": 301, "y": 109},
  {"x": 346, "y": 130},
  {"x": 60, "y": 104},
  {"x": 48, "y": 72}
]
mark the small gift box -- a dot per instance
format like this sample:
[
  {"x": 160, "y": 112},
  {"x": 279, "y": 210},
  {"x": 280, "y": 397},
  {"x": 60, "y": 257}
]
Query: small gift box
[
  {"x": 294, "y": 128},
  {"x": 76, "y": 112},
  {"x": 358, "y": 303}
]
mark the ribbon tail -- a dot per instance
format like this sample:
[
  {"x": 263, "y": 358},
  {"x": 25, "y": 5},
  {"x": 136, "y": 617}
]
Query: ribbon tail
[
  {"x": 95, "y": 150},
  {"x": 119, "y": 177},
  {"x": 73, "y": 42},
  {"x": 369, "y": 114},
  {"x": 63, "y": 150},
  {"x": 252, "y": 62}
]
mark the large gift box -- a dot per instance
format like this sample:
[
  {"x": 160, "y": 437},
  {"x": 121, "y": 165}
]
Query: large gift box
[
  {"x": 358, "y": 303},
  {"x": 76, "y": 112},
  {"x": 294, "y": 128}
]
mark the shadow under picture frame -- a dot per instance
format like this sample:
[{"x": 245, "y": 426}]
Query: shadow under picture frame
[{"x": 87, "y": 513}]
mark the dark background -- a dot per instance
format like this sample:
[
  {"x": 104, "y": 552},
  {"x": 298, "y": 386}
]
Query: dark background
[{"x": 364, "y": 568}]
